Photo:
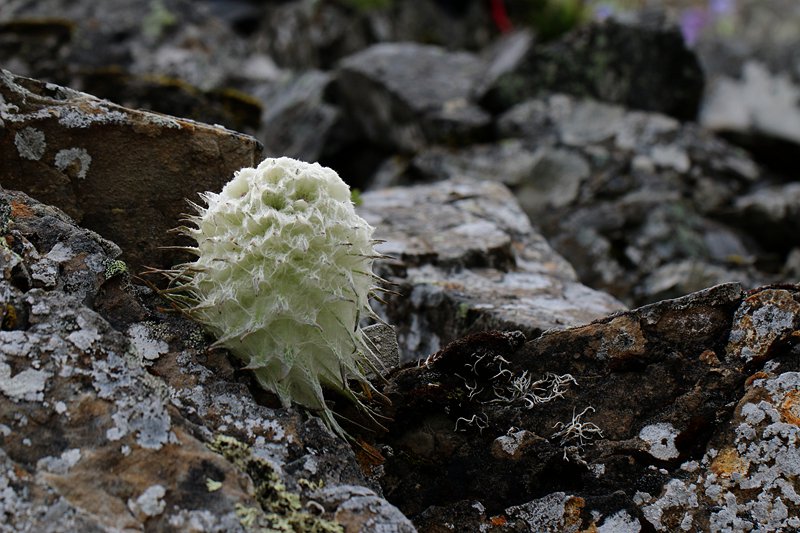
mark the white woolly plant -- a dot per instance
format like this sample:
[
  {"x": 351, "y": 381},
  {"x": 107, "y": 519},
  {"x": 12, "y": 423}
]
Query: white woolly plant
[{"x": 282, "y": 278}]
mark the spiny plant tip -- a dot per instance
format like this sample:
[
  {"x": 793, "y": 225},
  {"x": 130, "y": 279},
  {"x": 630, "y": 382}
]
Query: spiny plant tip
[{"x": 282, "y": 277}]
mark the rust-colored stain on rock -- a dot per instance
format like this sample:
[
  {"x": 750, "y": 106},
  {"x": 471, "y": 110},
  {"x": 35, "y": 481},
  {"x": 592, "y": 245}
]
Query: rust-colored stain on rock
[
  {"x": 790, "y": 407},
  {"x": 729, "y": 462}
]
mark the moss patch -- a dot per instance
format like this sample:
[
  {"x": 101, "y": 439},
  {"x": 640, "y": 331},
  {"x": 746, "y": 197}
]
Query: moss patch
[{"x": 281, "y": 509}]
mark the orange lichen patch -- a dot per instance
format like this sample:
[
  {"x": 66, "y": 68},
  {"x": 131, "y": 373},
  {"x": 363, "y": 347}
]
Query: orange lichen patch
[
  {"x": 728, "y": 462},
  {"x": 498, "y": 520},
  {"x": 620, "y": 340},
  {"x": 572, "y": 512},
  {"x": 20, "y": 210},
  {"x": 21, "y": 473},
  {"x": 790, "y": 407},
  {"x": 757, "y": 375},
  {"x": 709, "y": 357}
]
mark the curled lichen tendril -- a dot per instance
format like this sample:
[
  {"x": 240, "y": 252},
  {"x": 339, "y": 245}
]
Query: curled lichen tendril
[{"x": 576, "y": 433}]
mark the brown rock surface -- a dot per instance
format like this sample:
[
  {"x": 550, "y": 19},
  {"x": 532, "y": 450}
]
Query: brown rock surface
[
  {"x": 681, "y": 415},
  {"x": 121, "y": 172}
]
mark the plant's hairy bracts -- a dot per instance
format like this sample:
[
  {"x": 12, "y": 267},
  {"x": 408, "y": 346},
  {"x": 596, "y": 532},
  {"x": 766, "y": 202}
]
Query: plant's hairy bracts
[{"x": 282, "y": 276}]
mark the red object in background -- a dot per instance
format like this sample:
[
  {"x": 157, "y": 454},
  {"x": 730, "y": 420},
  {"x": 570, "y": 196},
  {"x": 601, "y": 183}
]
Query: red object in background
[{"x": 500, "y": 16}]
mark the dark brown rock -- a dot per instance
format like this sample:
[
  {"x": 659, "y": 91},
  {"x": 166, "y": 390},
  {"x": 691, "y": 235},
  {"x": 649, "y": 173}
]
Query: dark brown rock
[
  {"x": 124, "y": 173},
  {"x": 624, "y": 424}
]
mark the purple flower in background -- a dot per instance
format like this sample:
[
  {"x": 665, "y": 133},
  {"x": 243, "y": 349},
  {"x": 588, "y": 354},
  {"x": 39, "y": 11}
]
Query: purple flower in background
[
  {"x": 603, "y": 11},
  {"x": 693, "y": 21},
  {"x": 721, "y": 7}
]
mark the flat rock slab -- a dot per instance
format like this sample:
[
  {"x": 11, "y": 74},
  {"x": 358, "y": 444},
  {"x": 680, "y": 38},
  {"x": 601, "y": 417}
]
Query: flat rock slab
[
  {"x": 124, "y": 173},
  {"x": 681, "y": 415},
  {"x": 466, "y": 259},
  {"x": 116, "y": 416}
]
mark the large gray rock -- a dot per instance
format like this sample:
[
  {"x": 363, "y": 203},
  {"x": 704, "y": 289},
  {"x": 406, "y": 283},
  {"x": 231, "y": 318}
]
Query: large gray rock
[
  {"x": 637, "y": 202},
  {"x": 466, "y": 259},
  {"x": 122, "y": 172},
  {"x": 642, "y": 66},
  {"x": 169, "y": 56},
  {"x": 308, "y": 34},
  {"x": 179, "y": 39},
  {"x": 116, "y": 416},
  {"x": 405, "y": 95},
  {"x": 296, "y": 120}
]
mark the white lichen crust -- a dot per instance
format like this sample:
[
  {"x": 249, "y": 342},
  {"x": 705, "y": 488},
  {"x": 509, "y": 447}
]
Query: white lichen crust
[{"x": 282, "y": 278}]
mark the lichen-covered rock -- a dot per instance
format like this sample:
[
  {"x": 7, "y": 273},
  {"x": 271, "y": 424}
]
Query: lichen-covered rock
[
  {"x": 657, "y": 418},
  {"x": 747, "y": 478},
  {"x": 74, "y": 151},
  {"x": 114, "y": 415},
  {"x": 467, "y": 259},
  {"x": 405, "y": 95}
]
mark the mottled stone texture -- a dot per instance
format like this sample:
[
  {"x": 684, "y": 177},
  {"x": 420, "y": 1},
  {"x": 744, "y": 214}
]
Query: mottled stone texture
[
  {"x": 682, "y": 415},
  {"x": 124, "y": 173},
  {"x": 644, "y": 207},
  {"x": 117, "y": 416},
  {"x": 464, "y": 258},
  {"x": 405, "y": 95},
  {"x": 642, "y": 66}
]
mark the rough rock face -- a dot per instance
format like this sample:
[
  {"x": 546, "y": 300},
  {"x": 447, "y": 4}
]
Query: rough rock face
[
  {"x": 297, "y": 122},
  {"x": 682, "y": 415},
  {"x": 114, "y": 415},
  {"x": 466, "y": 259},
  {"x": 125, "y": 173},
  {"x": 311, "y": 34},
  {"x": 381, "y": 86},
  {"x": 643, "y": 66},
  {"x": 679, "y": 416},
  {"x": 177, "y": 39}
]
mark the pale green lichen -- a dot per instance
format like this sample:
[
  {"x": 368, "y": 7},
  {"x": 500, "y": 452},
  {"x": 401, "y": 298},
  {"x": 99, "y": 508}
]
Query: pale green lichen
[
  {"x": 282, "y": 279},
  {"x": 113, "y": 268},
  {"x": 281, "y": 509}
]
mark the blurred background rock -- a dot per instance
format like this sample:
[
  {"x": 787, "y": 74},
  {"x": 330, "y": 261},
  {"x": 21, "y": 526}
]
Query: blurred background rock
[{"x": 651, "y": 142}]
